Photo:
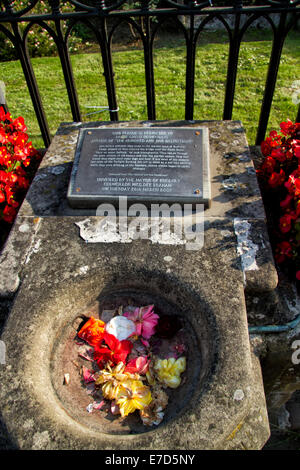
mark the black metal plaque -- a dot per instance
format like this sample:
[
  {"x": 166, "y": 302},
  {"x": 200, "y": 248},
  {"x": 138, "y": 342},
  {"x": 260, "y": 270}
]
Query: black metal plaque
[{"x": 153, "y": 164}]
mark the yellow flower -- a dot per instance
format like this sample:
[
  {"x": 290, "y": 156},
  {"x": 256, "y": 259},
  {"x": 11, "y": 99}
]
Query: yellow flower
[
  {"x": 132, "y": 395},
  {"x": 114, "y": 374},
  {"x": 168, "y": 371},
  {"x": 110, "y": 390}
]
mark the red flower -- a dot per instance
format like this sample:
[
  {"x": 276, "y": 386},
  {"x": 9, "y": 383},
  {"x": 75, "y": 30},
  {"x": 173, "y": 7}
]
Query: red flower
[
  {"x": 283, "y": 251},
  {"x": 19, "y": 124},
  {"x": 115, "y": 351},
  {"x": 4, "y": 177},
  {"x": 268, "y": 164},
  {"x": 265, "y": 148},
  {"x": 9, "y": 214},
  {"x": 276, "y": 179},
  {"x": 23, "y": 182},
  {"x": 274, "y": 135},
  {"x": 285, "y": 223},
  {"x": 286, "y": 202},
  {"x": 18, "y": 138},
  {"x": 297, "y": 187},
  {"x": 15, "y": 155},
  {"x": 5, "y": 156},
  {"x": 287, "y": 127},
  {"x": 3, "y": 136},
  {"x": 298, "y": 275},
  {"x": 2, "y": 196},
  {"x": 290, "y": 184},
  {"x": 278, "y": 154},
  {"x": 4, "y": 116},
  {"x": 296, "y": 149}
]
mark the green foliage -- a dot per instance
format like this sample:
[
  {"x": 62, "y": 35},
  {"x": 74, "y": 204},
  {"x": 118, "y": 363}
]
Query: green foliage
[{"x": 39, "y": 42}]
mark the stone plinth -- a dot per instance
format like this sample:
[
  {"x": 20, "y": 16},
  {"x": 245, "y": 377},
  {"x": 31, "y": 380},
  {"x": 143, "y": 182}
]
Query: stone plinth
[{"x": 70, "y": 258}]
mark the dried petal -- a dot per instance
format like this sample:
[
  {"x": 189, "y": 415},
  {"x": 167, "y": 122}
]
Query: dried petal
[
  {"x": 114, "y": 408},
  {"x": 87, "y": 375},
  {"x": 153, "y": 414},
  {"x": 98, "y": 405},
  {"x": 66, "y": 379},
  {"x": 86, "y": 352}
]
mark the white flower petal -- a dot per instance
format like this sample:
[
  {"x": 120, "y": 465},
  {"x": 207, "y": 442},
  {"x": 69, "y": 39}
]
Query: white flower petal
[{"x": 120, "y": 327}]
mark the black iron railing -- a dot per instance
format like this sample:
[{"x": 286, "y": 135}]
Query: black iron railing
[{"x": 97, "y": 15}]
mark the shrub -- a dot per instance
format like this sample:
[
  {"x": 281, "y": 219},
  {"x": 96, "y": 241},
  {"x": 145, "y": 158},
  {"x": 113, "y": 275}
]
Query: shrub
[
  {"x": 18, "y": 163},
  {"x": 39, "y": 42},
  {"x": 279, "y": 178}
]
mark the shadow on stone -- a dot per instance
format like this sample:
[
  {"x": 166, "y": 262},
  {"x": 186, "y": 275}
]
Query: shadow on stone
[{"x": 6, "y": 441}]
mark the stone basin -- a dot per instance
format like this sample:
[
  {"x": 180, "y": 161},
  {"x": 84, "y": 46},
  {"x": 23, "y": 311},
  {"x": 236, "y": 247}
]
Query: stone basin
[{"x": 201, "y": 356}]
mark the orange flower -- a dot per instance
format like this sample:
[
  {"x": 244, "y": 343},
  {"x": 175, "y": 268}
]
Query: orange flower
[{"x": 92, "y": 331}]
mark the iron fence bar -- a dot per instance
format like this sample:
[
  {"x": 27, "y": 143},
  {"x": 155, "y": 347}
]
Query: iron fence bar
[
  {"x": 105, "y": 47},
  {"x": 190, "y": 72},
  {"x": 149, "y": 72},
  {"x": 22, "y": 52},
  {"x": 274, "y": 63},
  {"x": 234, "y": 49},
  {"x": 67, "y": 72}
]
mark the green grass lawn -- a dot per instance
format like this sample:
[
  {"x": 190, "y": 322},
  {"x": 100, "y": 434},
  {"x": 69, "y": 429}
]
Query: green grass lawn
[{"x": 169, "y": 68}]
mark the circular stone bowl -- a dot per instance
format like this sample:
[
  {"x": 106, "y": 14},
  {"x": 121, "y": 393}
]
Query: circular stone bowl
[
  {"x": 74, "y": 397},
  {"x": 59, "y": 410}
]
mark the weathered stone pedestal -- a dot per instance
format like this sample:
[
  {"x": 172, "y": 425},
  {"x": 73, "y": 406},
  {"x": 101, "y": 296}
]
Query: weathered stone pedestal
[{"x": 57, "y": 263}]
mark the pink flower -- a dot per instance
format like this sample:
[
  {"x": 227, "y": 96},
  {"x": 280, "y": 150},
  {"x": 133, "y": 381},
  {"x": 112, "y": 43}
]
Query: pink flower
[
  {"x": 139, "y": 365},
  {"x": 145, "y": 320},
  {"x": 87, "y": 375}
]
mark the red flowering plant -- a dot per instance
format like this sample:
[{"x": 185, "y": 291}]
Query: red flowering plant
[
  {"x": 18, "y": 162},
  {"x": 279, "y": 178}
]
